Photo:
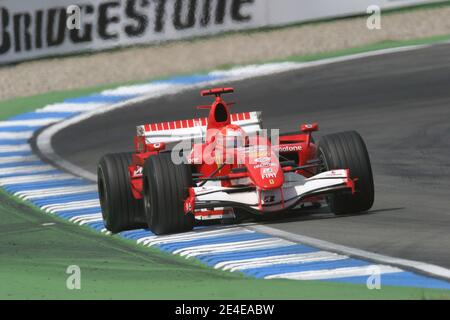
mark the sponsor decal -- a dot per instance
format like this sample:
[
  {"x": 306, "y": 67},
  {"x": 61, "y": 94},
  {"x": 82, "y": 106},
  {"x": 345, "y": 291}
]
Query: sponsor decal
[
  {"x": 269, "y": 176},
  {"x": 290, "y": 148},
  {"x": 262, "y": 160},
  {"x": 188, "y": 206},
  {"x": 267, "y": 170},
  {"x": 138, "y": 171},
  {"x": 194, "y": 160},
  {"x": 265, "y": 165},
  {"x": 30, "y": 29},
  {"x": 268, "y": 173}
]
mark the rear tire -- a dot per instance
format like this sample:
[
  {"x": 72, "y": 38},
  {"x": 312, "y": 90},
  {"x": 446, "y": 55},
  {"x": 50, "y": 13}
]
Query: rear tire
[
  {"x": 166, "y": 187},
  {"x": 347, "y": 150},
  {"x": 120, "y": 210}
]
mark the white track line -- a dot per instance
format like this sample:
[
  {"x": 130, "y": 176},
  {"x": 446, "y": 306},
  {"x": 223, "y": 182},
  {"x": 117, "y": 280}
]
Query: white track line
[
  {"x": 16, "y": 135},
  {"x": 61, "y": 191},
  {"x": 73, "y": 205},
  {"x": 336, "y": 273},
  {"x": 188, "y": 235},
  {"x": 253, "y": 71},
  {"x": 29, "y": 123},
  {"x": 237, "y": 265},
  {"x": 71, "y": 107},
  {"x": 78, "y": 219},
  {"x": 14, "y": 147},
  {"x": 26, "y": 169},
  {"x": 173, "y": 239},
  {"x": 232, "y": 247},
  {"x": 84, "y": 221},
  {"x": 35, "y": 178},
  {"x": 18, "y": 159},
  {"x": 138, "y": 89}
]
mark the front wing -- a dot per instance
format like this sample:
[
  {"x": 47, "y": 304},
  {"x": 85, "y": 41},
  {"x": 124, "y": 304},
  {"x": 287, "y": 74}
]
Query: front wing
[{"x": 295, "y": 189}]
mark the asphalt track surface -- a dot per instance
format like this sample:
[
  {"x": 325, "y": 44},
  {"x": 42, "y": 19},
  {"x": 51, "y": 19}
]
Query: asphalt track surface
[{"x": 399, "y": 103}]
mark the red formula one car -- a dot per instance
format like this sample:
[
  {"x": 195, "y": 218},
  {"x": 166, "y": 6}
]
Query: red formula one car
[{"x": 219, "y": 166}]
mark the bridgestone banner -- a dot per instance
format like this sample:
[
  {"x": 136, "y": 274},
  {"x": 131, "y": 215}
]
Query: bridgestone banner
[{"x": 42, "y": 28}]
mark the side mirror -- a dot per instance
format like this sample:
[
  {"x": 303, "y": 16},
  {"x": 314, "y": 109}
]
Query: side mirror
[
  {"x": 152, "y": 147},
  {"x": 308, "y": 129},
  {"x": 311, "y": 127}
]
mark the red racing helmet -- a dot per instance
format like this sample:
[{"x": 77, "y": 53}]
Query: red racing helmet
[{"x": 231, "y": 136}]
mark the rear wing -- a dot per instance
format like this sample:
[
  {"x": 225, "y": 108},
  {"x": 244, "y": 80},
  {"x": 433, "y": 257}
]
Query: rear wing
[{"x": 176, "y": 131}]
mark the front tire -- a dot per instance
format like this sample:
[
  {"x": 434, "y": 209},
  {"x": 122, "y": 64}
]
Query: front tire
[
  {"x": 347, "y": 150},
  {"x": 120, "y": 210},
  {"x": 166, "y": 186}
]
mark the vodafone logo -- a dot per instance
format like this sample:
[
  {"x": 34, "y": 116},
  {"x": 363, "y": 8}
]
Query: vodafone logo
[{"x": 290, "y": 148}]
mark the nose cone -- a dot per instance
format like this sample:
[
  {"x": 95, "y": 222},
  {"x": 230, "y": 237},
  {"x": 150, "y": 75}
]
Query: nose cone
[{"x": 266, "y": 172}]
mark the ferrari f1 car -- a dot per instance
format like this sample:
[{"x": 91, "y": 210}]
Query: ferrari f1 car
[{"x": 219, "y": 166}]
